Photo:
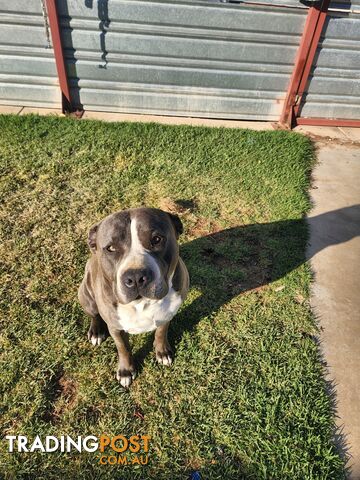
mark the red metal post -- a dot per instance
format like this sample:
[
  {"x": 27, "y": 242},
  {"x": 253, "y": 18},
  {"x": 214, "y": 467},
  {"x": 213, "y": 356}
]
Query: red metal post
[
  {"x": 59, "y": 55},
  {"x": 311, "y": 55},
  {"x": 303, "y": 61}
]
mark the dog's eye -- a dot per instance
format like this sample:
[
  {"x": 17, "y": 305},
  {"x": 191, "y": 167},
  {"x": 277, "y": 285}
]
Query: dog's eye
[
  {"x": 111, "y": 248},
  {"x": 156, "y": 239}
]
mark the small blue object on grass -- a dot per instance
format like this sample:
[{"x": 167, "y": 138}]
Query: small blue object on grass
[{"x": 195, "y": 476}]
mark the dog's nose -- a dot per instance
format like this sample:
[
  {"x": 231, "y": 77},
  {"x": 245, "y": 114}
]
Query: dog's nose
[{"x": 137, "y": 278}]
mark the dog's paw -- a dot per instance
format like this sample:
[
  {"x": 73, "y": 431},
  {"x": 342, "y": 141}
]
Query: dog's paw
[
  {"x": 96, "y": 339},
  {"x": 125, "y": 377},
  {"x": 164, "y": 357},
  {"x": 97, "y": 334}
]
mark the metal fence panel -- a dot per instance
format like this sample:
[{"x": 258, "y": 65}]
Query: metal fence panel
[
  {"x": 334, "y": 83},
  {"x": 207, "y": 58},
  {"x": 27, "y": 67},
  {"x": 198, "y": 58}
]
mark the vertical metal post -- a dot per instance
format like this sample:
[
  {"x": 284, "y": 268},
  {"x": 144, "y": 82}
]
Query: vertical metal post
[
  {"x": 312, "y": 51},
  {"x": 304, "y": 59},
  {"x": 59, "y": 55}
]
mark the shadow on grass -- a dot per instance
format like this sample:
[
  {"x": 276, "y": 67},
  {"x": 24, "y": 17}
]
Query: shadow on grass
[{"x": 227, "y": 263}]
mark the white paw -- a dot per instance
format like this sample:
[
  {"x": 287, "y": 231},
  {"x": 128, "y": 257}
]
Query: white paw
[
  {"x": 125, "y": 377},
  {"x": 97, "y": 340},
  {"x": 164, "y": 359}
]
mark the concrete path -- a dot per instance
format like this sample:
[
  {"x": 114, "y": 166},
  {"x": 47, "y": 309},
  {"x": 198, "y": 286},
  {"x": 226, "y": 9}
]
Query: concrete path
[{"x": 335, "y": 256}]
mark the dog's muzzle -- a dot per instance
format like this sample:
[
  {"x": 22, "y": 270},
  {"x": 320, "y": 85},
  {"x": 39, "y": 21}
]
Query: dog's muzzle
[{"x": 137, "y": 281}]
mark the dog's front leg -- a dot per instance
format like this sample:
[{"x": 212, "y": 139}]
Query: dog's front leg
[
  {"x": 98, "y": 331},
  {"x": 126, "y": 369},
  {"x": 162, "y": 347}
]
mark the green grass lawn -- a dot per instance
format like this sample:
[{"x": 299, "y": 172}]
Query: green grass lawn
[{"x": 245, "y": 397}]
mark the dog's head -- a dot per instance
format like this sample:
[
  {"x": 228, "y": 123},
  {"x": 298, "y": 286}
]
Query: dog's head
[{"x": 137, "y": 252}]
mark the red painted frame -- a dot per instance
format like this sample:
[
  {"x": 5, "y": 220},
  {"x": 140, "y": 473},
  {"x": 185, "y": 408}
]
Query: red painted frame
[
  {"x": 59, "y": 56},
  {"x": 304, "y": 59},
  {"x": 311, "y": 54},
  {"x": 287, "y": 114},
  {"x": 328, "y": 122}
]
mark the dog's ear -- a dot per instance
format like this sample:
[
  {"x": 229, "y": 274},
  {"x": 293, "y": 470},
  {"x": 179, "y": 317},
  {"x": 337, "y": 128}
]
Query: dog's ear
[
  {"x": 177, "y": 224},
  {"x": 92, "y": 237}
]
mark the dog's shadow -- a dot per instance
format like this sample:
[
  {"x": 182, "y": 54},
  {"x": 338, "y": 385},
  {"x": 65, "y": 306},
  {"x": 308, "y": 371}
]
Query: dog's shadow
[{"x": 227, "y": 263}]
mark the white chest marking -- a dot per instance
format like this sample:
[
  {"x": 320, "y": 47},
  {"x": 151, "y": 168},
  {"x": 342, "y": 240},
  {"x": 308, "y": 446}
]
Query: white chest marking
[{"x": 145, "y": 315}]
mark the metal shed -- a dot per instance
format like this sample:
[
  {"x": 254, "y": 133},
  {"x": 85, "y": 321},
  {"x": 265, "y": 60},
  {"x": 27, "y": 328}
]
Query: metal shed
[
  {"x": 188, "y": 58},
  {"x": 270, "y": 60}
]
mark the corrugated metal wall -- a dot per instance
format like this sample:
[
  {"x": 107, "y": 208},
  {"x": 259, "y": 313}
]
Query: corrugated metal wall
[
  {"x": 334, "y": 84},
  {"x": 180, "y": 57},
  {"x": 27, "y": 67},
  {"x": 192, "y": 58}
]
